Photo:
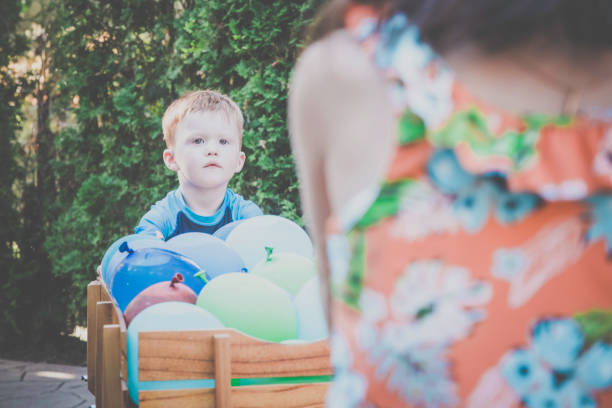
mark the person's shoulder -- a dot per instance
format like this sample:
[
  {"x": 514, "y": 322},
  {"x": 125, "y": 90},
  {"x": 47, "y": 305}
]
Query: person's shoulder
[
  {"x": 172, "y": 201},
  {"x": 241, "y": 207},
  {"x": 335, "y": 80},
  {"x": 231, "y": 196},
  {"x": 235, "y": 198},
  {"x": 161, "y": 215},
  {"x": 337, "y": 56},
  {"x": 175, "y": 196},
  {"x": 170, "y": 196}
]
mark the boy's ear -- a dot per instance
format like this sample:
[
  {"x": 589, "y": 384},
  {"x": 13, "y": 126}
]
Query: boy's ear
[
  {"x": 169, "y": 160},
  {"x": 240, "y": 164}
]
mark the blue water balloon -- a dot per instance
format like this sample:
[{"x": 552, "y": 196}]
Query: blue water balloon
[
  {"x": 145, "y": 267},
  {"x": 135, "y": 241},
  {"x": 210, "y": 253},
  {"x": 225, "y": 230}
]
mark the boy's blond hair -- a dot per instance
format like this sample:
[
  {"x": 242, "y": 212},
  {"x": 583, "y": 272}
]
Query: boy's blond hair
[{"x": 200, "y": 101}]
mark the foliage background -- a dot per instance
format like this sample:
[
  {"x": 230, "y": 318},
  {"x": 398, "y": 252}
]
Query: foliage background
[{"x": 84, "y": 84}]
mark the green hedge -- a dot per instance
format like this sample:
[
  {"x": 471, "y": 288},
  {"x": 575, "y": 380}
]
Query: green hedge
[{"x": 11, "y": 46}]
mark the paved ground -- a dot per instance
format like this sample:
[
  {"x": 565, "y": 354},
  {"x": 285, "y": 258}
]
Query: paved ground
[{"x": 41, "y": 385}]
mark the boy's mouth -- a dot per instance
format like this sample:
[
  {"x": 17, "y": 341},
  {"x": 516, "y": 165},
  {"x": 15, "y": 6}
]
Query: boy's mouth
[{"x": 211, "y": 165}]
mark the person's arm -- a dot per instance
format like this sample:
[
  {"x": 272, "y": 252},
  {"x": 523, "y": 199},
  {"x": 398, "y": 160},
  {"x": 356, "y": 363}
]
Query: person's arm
[
  {"x": 341, "y": 129},
  {"x": 248, "y": 209},
  {"x": 155, "y": 221}
]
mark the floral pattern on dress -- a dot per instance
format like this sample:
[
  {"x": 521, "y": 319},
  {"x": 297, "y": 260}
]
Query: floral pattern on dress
[
  {"x": 424, "y": 82},
  {"x": 348, "y": 388},
  {"x": 509, "y": 151},
  {"x": 601, "y": 219},
  {"x": 413, "y": 220},
  {"x": 433, "y": 306},
  {"x": 567, "y": 364},
  {"x": 508, "y": 263},
  {"x": 440, "y": 302},
  {"x": 476, "y": 198},
  {"x": 487, "y": 199},
  {"x": 338, "y": 253},
  {"x": 530, "y": 266},
  {"x": 602, "y": 165},
  {"x": 567, "y": 190},
  {"x": 558, "y": 369},
  {"x": 387, "y": 204}
]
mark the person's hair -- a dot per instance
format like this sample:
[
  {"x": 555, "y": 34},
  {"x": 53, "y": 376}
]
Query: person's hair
[
  {"x": 494, "y": 25},
  {"x": 200, "y": 101}
]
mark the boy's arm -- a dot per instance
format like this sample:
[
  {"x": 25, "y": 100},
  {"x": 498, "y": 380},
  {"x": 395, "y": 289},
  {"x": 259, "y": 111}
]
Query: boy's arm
[
  {"x": 248, "y": 209},
  {"x": 154, "y": 222},
  {"x": 241, "y": 208}
]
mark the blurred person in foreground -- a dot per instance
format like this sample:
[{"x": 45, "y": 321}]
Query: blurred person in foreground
[{"x": 455, "y": 161}]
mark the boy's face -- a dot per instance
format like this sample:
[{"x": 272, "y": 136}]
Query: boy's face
[{"x": 206, "y": 152}]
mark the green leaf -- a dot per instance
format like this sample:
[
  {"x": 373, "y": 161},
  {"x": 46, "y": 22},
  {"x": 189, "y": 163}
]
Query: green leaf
[
  {"x": 353, "y": 286},
  {"x": 387, "y": 203},
  {"x": 411, "y": 128},
  {"x": 596, "y": 326}
]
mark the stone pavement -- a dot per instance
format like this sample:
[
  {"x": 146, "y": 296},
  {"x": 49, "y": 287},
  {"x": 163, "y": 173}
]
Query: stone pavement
[{"x": 41, "y": 385}]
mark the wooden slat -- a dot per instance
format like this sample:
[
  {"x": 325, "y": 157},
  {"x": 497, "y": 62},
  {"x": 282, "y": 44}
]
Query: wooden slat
[
  {"x": 223, "y": 370},
  {"x": 111, "y": 384},
  {"x": 120, "y": 320},
  {"x": 192, "y": 398},
  {"x": 104, "y": 315},
  {"x": 185, "y": 355},
  {"x": 123, "y": 345},
  {"x": 256, "y": 396},
  {"x": 105, "y": 294},
  {"x": 280, "y": 396},
  {"x": 93, "y": 297}
]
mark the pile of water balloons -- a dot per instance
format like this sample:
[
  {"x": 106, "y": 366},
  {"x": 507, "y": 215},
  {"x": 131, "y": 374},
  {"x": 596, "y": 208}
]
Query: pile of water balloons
[{"x": 255, "y": 275}]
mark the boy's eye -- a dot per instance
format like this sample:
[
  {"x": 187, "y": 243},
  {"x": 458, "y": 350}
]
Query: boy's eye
[
  {"x": 223, "y": 141},
  {"x": 198, "y": 140}
]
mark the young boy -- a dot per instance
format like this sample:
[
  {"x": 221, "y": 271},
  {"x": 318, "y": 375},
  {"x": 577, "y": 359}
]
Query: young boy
[{"x": 203, "y": 134}]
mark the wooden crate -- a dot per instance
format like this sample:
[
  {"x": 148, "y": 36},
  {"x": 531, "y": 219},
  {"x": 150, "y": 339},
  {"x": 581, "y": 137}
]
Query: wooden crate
[{"x": 204, "y": 354}]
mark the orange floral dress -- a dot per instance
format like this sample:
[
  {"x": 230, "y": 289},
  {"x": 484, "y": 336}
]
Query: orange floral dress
[{"x": 480, "y": 274}]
